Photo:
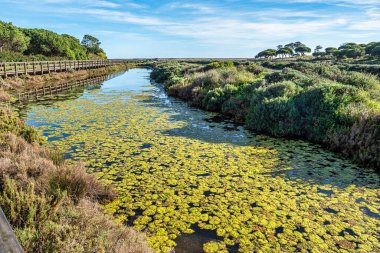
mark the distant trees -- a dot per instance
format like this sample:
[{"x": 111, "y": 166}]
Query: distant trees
[
  {"x": 92, "y": 45},
  {"x": 318, "y": 49},
  {"x": 331, "y": 50},
  {"x": 48, "y": 43},
  {"x": 302, "y": 49},
  {"x": 350, "y": 50},
  {"x": 284, "y": 51},
  {"x": 74, "y": 49},
  {"x": 375, "y": 52},
  {"x": 318, "y": 52},
  {"x": 12, "y": 38},
  {"x": 346, "y": 50},
  {"x": 269, "y": 53}
]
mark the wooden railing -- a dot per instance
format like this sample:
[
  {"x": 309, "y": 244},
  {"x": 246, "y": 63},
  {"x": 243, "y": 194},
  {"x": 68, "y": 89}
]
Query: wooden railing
[
  {"x": 8, "y": 239},
  {"x": 59, "y": 88},
  {"x": 42, "y": 67}
]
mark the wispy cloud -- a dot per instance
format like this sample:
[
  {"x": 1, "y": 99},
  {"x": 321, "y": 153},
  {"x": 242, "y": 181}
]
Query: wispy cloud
[
  {"x": 196, "y": 8},
  {"x": 226, "y": 25}
]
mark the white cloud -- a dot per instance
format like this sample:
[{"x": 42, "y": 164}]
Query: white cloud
[
  {"x": 196, "y": 8},
  {"x": 118, "y": 16}
]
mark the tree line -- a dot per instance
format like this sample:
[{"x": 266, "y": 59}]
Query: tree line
[
  {"x": 347, "y": 50},
  {"x": 27, "y": 41}
]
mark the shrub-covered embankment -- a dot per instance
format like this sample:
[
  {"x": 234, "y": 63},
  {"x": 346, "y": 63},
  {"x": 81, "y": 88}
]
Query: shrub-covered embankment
[{"x": 319, "y": 102}]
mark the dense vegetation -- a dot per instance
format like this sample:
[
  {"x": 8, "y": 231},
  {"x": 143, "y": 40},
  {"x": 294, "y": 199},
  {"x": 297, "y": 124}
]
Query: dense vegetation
[
  {"x": 345, "y": 51},
  {"x": 320, "y": 102},
  {"x": 21, "y": 44}
]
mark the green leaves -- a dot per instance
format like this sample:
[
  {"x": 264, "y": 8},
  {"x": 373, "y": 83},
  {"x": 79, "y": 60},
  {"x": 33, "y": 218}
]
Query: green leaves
[{"x": 12, "y": 38}]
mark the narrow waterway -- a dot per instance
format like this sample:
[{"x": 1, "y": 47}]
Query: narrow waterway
[{"x": 189, "y": 177}]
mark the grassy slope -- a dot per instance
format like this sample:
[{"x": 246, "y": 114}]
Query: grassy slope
[
  {"x": 53, "y": 206},
  {"x": 319, "y": 102}
]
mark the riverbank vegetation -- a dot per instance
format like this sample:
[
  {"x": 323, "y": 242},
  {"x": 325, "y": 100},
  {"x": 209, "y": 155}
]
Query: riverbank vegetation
[
  {"x": 321, "y": 102},
  {"x": 24, "y": 44}
]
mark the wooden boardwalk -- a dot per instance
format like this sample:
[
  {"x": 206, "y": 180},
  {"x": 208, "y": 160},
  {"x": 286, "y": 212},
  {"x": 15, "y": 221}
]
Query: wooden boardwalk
[
  {"x": 43, "y": 67},
  {"x": 8, "y": 240},
  {"x": 59, "y": 88}
]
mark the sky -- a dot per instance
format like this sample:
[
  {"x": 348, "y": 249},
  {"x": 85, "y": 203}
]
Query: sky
[{"x": 224, "y": 28}]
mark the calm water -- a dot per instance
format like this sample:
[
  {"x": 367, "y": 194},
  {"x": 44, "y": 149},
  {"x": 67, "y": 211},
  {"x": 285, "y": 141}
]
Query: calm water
[{"x": 195, "y": 180}]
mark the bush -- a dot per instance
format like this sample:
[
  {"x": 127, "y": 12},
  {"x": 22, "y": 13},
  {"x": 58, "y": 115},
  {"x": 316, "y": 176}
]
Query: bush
[
  {"x": 219, "y": 64},
  {"x": 296, "y": 76},
  {"x": 220, "y": 77},
  {"x": 270, "y": 112},
  {"x": 9, "y": 122},
  {"x": 215, "y": 98},
  {"x": 309, "y": 114},
  {"x": 334, "y": 73}
]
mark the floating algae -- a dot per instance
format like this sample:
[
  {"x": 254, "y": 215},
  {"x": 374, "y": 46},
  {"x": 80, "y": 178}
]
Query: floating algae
[{"x": 176, "y": 175}]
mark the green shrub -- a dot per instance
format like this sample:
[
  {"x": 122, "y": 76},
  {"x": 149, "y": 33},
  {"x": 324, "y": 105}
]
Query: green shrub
[
  {"x": 309, "y": 114},
  {"x": 9, "y": 122},
  {"x": 296, "y": 76},
  {"x": 219, "y": 64},
  {"x": 215, "y": 98},
  {"x": 334, "y": 73}
]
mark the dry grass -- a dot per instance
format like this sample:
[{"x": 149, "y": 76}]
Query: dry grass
[{"x": 4, "y": 96}]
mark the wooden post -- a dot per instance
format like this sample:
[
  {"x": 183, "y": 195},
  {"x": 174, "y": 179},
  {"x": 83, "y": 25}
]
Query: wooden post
[
  {"x": 48, "y": 66},
  {"x": 65, "y": 65},
  {"x": 55, "y": 70},
  {"x": 25, "y": 69},
  {"x": 42, "y": 68},
  {"x": 15, "y": 66},
  {"x": 34, "y": 68},
  {"x": 5, "y": 69}
]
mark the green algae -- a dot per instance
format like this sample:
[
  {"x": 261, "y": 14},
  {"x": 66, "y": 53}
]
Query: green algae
[{"x": 174, "y": 173}]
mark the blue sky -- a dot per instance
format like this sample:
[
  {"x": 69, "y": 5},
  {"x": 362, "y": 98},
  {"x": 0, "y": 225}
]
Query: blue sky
[{"x": 224, "y": 28}]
